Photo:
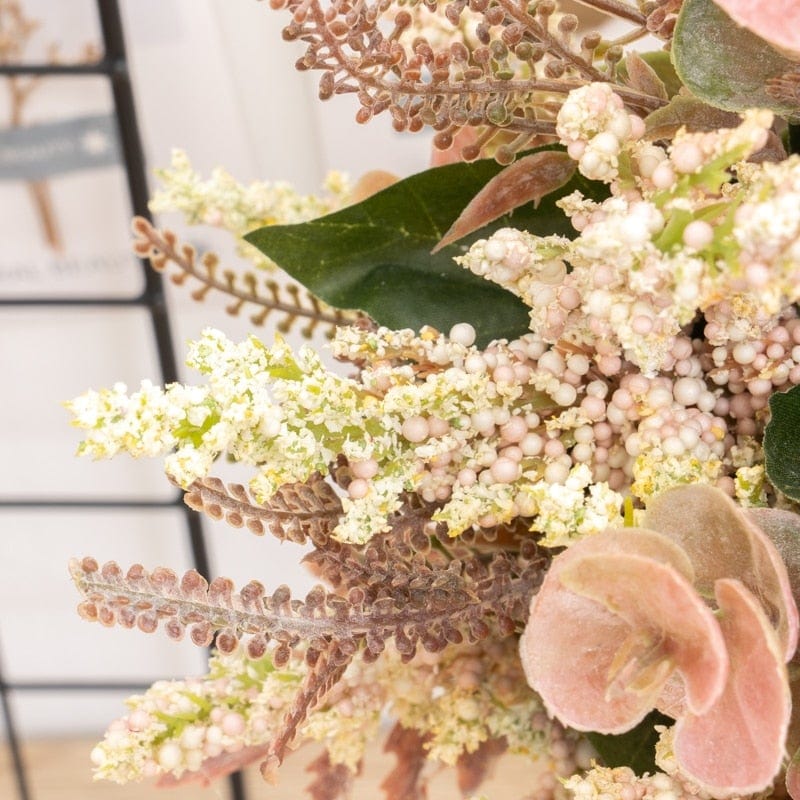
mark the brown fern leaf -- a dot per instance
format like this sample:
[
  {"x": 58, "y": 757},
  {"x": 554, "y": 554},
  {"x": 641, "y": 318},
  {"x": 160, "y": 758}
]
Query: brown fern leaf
[
  {"x": 406, "y": 780},
  {"x": 410, "y": 530},
  {"x": 326, "y": 670},
  {"x": 146, "y": 599},
  {"x": 291, "y": 302},
  {"x": 393, "y": 595},
  {"x": 297, "y": 512},
  {"x": 472, "y": 769},
  {"x": 507, "y": 86},
  {"x": 331, "y": 781}
]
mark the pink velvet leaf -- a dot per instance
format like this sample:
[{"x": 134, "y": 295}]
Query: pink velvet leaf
[
  {"x": 775, "y": 21},
  {"x": 722, "y": 541},
  {"x": 736, "y": 747},
  {"x": 671, "y": 627},
  {"x": 565, "y": 628},
  {"x": 783, "y": 529}
]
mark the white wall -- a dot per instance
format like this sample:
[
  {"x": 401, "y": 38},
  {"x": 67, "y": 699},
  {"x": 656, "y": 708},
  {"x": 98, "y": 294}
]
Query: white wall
[{"x": 214, "y": 77}]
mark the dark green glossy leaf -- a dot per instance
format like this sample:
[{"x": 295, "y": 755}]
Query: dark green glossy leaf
[
  {"x": 727, "y": 65},
  {"x": 635, "y": 749},
  {"x": 782, "y": 442},
  {"x": 376, "y": 256}
]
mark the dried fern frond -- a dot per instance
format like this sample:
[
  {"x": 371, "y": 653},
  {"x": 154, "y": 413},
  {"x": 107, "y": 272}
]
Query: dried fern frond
[
  {"x": 403, "y": 599},
  {"x": 331, "y": 781},
  {"x": 291, "y": 302},
  {"x": 297, "y": 512},
  {"x": 472, "y": 769},
  {"x": 504, "y": 69},
  {"x": 406, "y": 781},
  {"x": 326, "y": 670}
]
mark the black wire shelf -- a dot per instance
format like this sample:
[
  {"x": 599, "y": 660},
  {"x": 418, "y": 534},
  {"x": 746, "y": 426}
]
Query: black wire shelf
[{"x": 113, "y": 66}]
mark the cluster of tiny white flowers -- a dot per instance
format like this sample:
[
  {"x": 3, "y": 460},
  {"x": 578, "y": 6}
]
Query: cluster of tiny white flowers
[
  {"x": 177, "y": 725},
  {"x": 578, "y": 507},
  {"x": 222, "y": 202},
  {"x": 621, "y": 783},
  {"x": 521, "y": 429},
  {"x": 594, "y": 124},
  {"x": 464, "y": 696},
  {"x": 679, "y": 293},
  {"x": 467, "y": 432},
  {"x": 141, "y": 423}
]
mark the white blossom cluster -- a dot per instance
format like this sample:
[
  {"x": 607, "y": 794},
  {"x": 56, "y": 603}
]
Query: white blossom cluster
[
  {"x": 673, "y": 240},
  {"x": 476, "y": 431},
  {"x": 621, "y": 783},
  {"x": 176, "y": 726},
  {"x": 457, "y": 699},
  {"x": 221, "y": 201}
]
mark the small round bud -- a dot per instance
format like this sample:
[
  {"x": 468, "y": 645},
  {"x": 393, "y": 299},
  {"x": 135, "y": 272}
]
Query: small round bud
[
  {"x": 415, "y": 429},
  {"x": 462, "y": 333}
]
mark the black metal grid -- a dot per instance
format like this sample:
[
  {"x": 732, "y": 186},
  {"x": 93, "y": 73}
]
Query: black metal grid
[{"x": 113, "y": 66}]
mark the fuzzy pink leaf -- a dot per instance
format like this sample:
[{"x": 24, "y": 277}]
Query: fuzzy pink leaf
[
  {"x": 775, "y": 21},
  {"x": 673, "y": 628},
  {"x": 565, "y": 627},
  {"x": 527, "y": 180},
  {"x": 783, "y": 529},
  {"x": 736, "y": 747},
  {"x": 722, "y": 541}
]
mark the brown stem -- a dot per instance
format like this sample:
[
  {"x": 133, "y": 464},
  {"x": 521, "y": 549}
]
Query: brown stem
[
  {"x": 617, "y": 9},
  {"x": 43, "y": 201}
]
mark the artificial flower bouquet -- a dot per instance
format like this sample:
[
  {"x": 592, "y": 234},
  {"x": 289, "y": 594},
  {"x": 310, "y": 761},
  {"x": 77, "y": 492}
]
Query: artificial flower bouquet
[{"x": 550, "y": 496}]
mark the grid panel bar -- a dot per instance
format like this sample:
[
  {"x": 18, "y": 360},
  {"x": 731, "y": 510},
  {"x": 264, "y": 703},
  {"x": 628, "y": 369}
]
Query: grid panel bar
[
  {"x": 13, "y": 741},
  {"x": 113, "y": 65}
]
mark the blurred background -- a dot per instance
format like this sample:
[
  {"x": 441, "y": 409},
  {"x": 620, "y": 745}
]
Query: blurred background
[{"x": 214, "y": 78}]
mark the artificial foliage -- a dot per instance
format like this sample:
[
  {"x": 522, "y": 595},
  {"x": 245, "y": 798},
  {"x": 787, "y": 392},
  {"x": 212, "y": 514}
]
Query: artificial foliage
[{"x": 550, "y": 495}]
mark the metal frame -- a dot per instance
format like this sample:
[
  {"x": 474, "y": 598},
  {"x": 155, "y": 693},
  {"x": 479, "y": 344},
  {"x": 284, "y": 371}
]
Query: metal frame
[{"x": 114, "y": 66}]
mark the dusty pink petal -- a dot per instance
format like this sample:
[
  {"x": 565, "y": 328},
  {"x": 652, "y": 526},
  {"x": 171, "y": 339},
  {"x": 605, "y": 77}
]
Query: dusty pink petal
[
  {"x": 570, "y": 642},
  {"x": 736, "y": 747},
  {"x": 723, "y": 541},
  {"x": 659, "y": 603},
  {"x": 672, "y": 700},
  {"x": 776, "y": 21}
]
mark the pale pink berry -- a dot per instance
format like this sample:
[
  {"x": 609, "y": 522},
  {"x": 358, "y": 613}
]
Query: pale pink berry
[
  {"x": 415, "y": 429},
  {"x": 358, "y": 489}
]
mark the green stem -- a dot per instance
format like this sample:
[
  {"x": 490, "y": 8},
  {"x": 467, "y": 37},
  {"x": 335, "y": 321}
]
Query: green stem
[{"x": 794, "y": 139}]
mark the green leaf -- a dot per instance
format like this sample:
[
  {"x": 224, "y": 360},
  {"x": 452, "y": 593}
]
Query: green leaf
[
  {"x": 635, "y": 749},
  {"x": 782, "y": 442},
  {"x": 727, "y": 65},
  {"x": 376, "y": 256},
  {"x": 689, "y": 112}
]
